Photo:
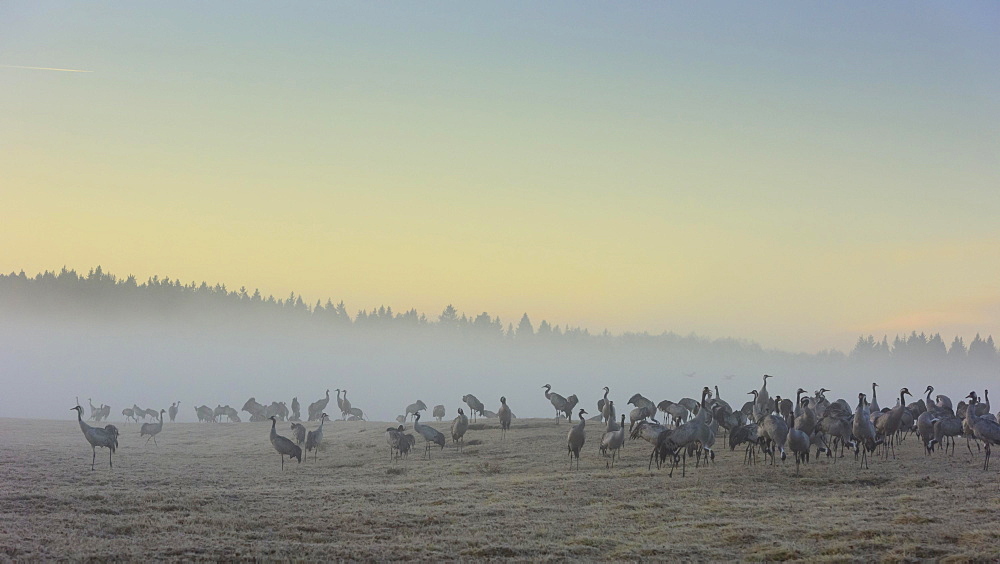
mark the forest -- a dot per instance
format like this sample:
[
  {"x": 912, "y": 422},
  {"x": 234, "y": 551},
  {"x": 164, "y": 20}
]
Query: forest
[{"x": 69, "y": 327}]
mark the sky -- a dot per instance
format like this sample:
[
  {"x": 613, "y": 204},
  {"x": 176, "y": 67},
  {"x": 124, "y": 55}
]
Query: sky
[{"x": 795, "y": 174}]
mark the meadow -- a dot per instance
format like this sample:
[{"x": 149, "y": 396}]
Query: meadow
[{"x": 217, "y": 491}]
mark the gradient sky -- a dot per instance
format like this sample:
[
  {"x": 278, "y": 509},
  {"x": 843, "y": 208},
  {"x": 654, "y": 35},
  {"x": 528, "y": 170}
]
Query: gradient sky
[{"x": 792, "y": 173}]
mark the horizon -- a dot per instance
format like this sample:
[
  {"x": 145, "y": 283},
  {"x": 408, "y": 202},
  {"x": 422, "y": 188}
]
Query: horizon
[
  {"x": 506, "y": 323},
  {"x": 794, "y": 175}
]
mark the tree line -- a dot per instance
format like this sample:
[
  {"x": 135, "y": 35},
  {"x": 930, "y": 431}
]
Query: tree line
[{"x": 69, "y": 295}]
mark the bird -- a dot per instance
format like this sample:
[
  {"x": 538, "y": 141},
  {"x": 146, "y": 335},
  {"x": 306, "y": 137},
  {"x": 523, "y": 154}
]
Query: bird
[
  {"x": 430, "y": 434},
  {"x": 677, "y": 412},
  {"x": 762, "y": 402},
  {"x": 458, "y": 428},
  {"x": 413, "y": 408},
  {"x": 887, "y": 425},
  {"x": 613, "y": 441},
  {"x": 393, "y": 436},
  {"x": 476, "y": 407},
  {"x": 98, "y": 437},
  {"x": 863, "y": 431},
  {"x": 317, "y": 407},
  {"x": 438, "y": 412},
  {"x": 299, "y": 432},
  {"x": 313, "y": 438},
  {"x": 296, "y": 408},
  {"x": 575, "y": 439},
  {"x": 982, "y": 428},
  {"x": 557, "y": 401},
  {"x": 798, "y": 441},
  {"x": 602, "y": 403},
  {"x": 608, "y": 409},
  {"x": 283, "y": 445},
  {"x": 129, "y": 414},
  {"x": 638, "y": 401},
  {"x": 173, "y": 410},
  {"x": 505, "y": 415},
  {"x": 773, "y": 430},
  {"x": 873, "y": 405},
  {"x": 406, "y": 442},
  {"x": 345, "y": 405},
  {"x": 152, "y": 429}
]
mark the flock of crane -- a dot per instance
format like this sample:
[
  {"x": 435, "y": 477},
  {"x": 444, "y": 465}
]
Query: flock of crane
[{"x": 766, "y": 425}]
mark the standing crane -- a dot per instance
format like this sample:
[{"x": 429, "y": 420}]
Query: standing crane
[
  {"x": 575, "y": 439},
  {"x": 505, "y": 415},
  {"x": 284, "y": 445},
  {"x": 313, "y": 438},
  {"x": 430, "y": 434},
  {"x": 152, "y": 429},
  {"x": 97, "y": 437}
]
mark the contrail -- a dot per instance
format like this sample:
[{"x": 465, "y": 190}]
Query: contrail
[{"x": 42, "y": 68}]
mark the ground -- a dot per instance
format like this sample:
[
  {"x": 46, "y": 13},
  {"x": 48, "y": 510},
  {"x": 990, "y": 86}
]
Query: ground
[{"x": 217, "y": 491}]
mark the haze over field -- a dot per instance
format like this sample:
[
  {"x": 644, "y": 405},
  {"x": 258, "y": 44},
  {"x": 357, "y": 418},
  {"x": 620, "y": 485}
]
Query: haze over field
[{"x": 773, "y": 177}]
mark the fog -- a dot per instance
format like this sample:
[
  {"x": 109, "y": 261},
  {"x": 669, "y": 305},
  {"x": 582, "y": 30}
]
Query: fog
[{"x": 127, "y": 344}]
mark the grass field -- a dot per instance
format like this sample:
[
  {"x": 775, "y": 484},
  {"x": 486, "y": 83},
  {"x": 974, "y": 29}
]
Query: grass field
[{"x": 216, "y": 491}]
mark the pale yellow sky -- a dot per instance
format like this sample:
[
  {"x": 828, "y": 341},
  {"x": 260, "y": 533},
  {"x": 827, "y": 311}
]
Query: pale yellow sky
[{"x": 797, "y": 182}]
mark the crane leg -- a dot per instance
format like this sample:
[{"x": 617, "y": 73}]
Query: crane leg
[{"x": 94, "y": 458}]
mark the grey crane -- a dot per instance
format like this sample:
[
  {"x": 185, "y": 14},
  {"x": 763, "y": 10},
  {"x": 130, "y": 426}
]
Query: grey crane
[
  {"x": 296, "y": 410},
  {"x": 345, "y": 405},
  {"x": 438, "y": 412},
  {"x": 313, "y": 438},
  {"x": 319, "y": 406},
  {"x": 745, "y": 434},
  {"x": 638, "y": 400},
  {"x": 873, "y": 405},
  {"x": 695, "y": 434},
  {"x": 413, "y": 408},
  {"x": 152, "y": 429},
  {"x": 773, "y": 431},
  {"x": 613, "y": 441},
  {"x": 608, "y": 408},
  {"x": 561, "y": 404},
  {"x": 575, "y": 439},
  {"x": 638, "y": 414},
  {"x": 864, "y": 431},
  {"x": 947, "y": 427},
  {"x": 505, "y": 416},
  {"x": 98, "y": 437},
  {"x": 284, "y": 445},
  {"x": 887, "y": 425},
  {"x": 430, "y": 435},
  {"x": 458, "y": 428},
  {"x": 204, "y": 413},
  {"x": 173, "y": 410},
  {"x": 299, "y": 432},
  {"x": 762, "y": 401},
  {"x": 393, "y": 436},
  {"x": 982, "y": 428},
  {"x": 944, "y": 402},
  {"x": 678, "y": 413},
  {"x": 406, "y": 442},
  {"x": 128, "y": 413},
  {"x": 798, "y": 442},
  {"x": 476, "y": 407},
  {"x": 602, "y": 406}
]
